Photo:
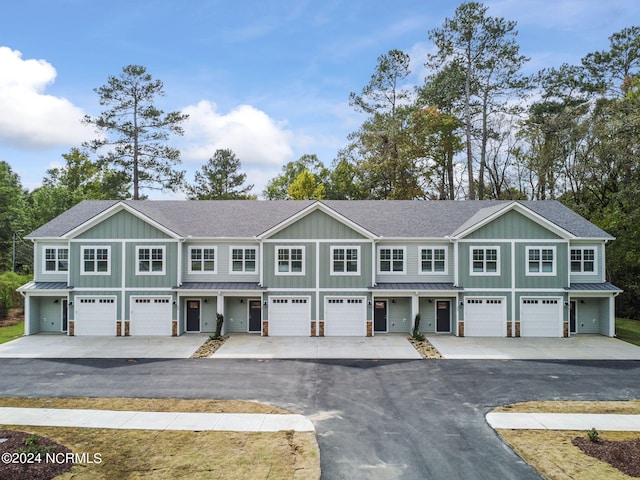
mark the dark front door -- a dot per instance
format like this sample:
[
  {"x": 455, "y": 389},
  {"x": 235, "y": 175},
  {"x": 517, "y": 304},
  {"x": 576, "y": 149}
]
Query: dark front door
[
  {"x": 572, "y": 317},
  {"x": 193, "y": 315},
  {"x": 380, "y": 316},
  {"x": 443, "y": 316},
  {"x": 65, "y": 315},
  {"x": 255, "y": 316}
]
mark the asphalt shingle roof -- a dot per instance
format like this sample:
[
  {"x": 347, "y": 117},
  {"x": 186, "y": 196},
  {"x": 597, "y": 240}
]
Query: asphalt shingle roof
[{"x": 385, "y": 218}]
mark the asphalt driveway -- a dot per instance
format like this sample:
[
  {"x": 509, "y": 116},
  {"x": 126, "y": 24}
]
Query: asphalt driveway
[{"x": 374, "y": 419}]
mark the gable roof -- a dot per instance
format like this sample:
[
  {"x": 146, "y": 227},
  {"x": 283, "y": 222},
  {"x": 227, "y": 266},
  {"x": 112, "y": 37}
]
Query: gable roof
[{"x": 382, "y": 218}]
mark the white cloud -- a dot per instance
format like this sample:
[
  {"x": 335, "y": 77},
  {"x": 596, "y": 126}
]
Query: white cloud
[
  {"x": 256, "y": 139},
  {"x": 30, "y": 118}
]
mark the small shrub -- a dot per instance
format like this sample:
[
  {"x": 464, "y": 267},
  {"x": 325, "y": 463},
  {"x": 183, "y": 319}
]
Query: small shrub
[
  {"x": 219, "y": 322},
  {"x": 416, "y": 330},
  {"x": 33, "y": 445},
  {"x": 593, "y": 435}
]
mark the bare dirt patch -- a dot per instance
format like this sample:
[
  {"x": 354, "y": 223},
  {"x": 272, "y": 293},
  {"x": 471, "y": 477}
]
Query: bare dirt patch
[
  {"x": 424, "y": 348},
  {"x": 209, "y": 347},
  {"x": 13, "y": 317}
]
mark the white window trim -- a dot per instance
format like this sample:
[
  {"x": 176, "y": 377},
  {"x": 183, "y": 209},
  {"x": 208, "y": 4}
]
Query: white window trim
[
  {"x": 345, "y": 248},
  {"x": 290, "y": 247},
  {"x": 552, "y": 273},
  {"x": 244, "y": 260},
  {"x": 484, "y": 273},
  {"x": 595, "y": 261},
  {"x": 433, "y": 247},
  {"x": 404, "y": 259},
  {"x": 44, "y": 260},
  {"x": 95, "y": 260},
  {"x": 151, "y": 247},
  {"x": 202, "y": 272}
]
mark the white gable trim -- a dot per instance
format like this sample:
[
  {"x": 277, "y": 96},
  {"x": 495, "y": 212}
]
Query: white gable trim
[
  {"x": 312, "y": 208},
  {"x": 528, "y": 213},
  {"x": 109, "y": 212}
]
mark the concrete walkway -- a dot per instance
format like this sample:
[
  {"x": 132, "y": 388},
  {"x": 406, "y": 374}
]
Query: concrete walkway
[
  {"x": 564, "y": 421},
  {"x": 130, "y": 420}
]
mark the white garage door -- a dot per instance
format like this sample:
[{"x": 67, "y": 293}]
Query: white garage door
[
  {"x": 485, "y": 317},
  {"x": 345, "y": 316},
  {"x": 290, "y": 316},
  {"x": 541, "y": 317},
  {"x": 95, "y": 316},
  {"x": 151, "y": 316}
]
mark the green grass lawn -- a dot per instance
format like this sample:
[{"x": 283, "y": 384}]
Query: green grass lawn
[
  {"x": 628, "y": 330},
  {"x": 11, "y": 332}
]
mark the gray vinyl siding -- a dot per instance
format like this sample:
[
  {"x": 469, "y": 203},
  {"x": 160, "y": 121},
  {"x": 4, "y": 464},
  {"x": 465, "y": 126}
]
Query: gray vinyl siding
[
  {"x": 223, "y": 263},
  {"x": 236, "y": 316},
  {"x": 412, "y": 263},
  {"x": 40, "y": 275},
  {"x": 49, "y": 314},
  {"x": 399, "y": 315},
  {"x": 428, "y": 315},
  {"x": 208, "y": 313},
  {"x": 79, "y": 280},
  {"x": 469, "y": 281},
  {"x": 604, "y": 317},
  {"x": 317, "y": 225},
  {"x": 512, "y": 225},
  {"x": 559, "y": 280},
  {"x": 271, "y": 280},
  {"x": 589, "y": 315},
  {"x": 123, "y": 225}
]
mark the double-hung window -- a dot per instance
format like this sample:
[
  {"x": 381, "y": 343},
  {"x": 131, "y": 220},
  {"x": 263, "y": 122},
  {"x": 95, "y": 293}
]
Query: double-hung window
[
  {"x": 433, "y": 260},
  {"x": 485, "y": 260},
  {"x": 243, "y": 260},
  {"x": 541, "y": 260},
  {"x": 345, "y": 260},
  {"x": 202, "y": 259},
  {"x": 56, "y": 260},
  {"x": 391, "y": 260},
  {"x": 96, "y": 260},
  {"x": 290, "y": 260},
  {"x": 150, "y": 260},
  {"x": 583, "y": 260}
]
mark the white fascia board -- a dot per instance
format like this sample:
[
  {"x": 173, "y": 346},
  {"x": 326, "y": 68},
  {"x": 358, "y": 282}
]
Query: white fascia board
[{"x": 118, "y": 207}]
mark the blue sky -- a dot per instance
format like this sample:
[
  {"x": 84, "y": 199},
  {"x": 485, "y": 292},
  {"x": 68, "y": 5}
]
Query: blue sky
[{"x": 268, "y": 79}]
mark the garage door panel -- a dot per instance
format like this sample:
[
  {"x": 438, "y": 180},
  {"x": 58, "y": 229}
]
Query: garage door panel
[
  {"x": 345, "y": 316},
  {"x": 151, "y": 316},
  {"x": 290, "y": 316},
  {"x": 485, "y": 317},
  {"x": 95, "y": 316},
  {"x": 541, "y": 317}
]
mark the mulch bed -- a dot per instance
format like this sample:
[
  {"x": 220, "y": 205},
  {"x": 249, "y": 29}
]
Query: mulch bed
[
  {"x": 37, "y": 470},
  {"x": 13, "y": 317},
  {"x": 623, "y": 455}
]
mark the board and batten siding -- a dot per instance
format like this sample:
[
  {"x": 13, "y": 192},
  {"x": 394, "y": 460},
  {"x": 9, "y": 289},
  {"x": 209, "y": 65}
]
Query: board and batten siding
[
  {"x": 271, "y": 280},
  {"x": 223, "y": 263},
  {"x": 466, "y": 280},
  {"x": 558, "y": 280},
  {"x": 329, "y": 280},
  {"x": 412, "y": 263},
  {"x": 95, "y": 280},
  {"x": 599, "y": 276},
  {"x": 512, "y": 225},
  {"x": 317, "y": 225},
  {"x": 167, "y": 280},
  {"x": 123, "y": 225}
]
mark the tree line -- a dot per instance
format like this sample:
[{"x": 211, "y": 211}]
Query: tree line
[{"x": 477, "y": 127}]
